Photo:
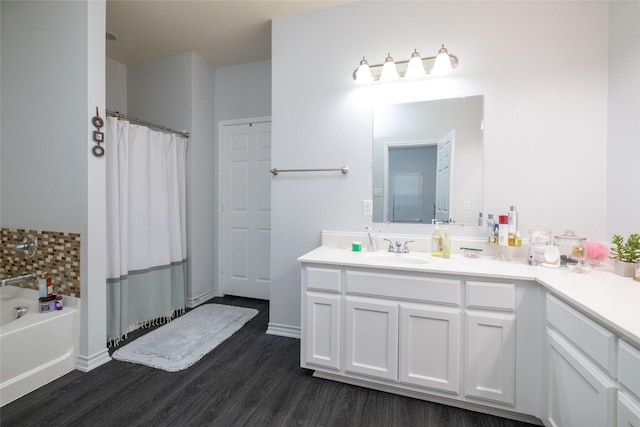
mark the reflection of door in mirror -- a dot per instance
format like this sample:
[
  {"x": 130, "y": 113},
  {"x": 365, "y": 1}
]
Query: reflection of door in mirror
[
  {"x": 444, "y": 172},
  {"x": 410, "y": 168},
  {"x": 406, "y": 194}
]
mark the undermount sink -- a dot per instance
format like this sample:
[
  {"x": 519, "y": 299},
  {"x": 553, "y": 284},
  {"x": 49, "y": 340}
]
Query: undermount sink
[{"x": 402, "y": 259}]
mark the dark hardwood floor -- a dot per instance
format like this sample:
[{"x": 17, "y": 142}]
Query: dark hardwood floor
[{"x": 252, "y": 379}]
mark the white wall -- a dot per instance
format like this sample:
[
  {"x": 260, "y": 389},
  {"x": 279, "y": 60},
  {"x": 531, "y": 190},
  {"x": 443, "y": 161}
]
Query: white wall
[
  {"x": 160, "y": 91},
  {"x": 44, "y": 123},
  {"x": 541, "y": 66},
  {"x": 178, "y": 92},
  {"x": 623, "y": 149},
  {"x": 201, "y": 209},
  {"x": 116, "y": 96},
  {"x": 243, "y": 91},
  {"x": 52, "y": 79}
]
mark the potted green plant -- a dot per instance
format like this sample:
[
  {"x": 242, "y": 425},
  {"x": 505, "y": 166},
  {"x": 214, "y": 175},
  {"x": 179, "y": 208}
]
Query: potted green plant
[{"x": 626, "y": 254}]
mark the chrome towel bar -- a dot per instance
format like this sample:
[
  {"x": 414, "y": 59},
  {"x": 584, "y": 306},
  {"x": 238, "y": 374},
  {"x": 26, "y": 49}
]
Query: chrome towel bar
[{"x": 276, "y": 171}]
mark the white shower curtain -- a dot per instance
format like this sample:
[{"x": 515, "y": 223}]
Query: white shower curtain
[{"x": 146, "y": 227}]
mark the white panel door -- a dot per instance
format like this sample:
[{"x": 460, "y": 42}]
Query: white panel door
[
  {"x": 444, "y": 164},
  {"x": 245, "y": 209},
  {"x": 430, "y": 347},
  {"x": 491, "y": 352},
  {"x": 372, "y": 338}
]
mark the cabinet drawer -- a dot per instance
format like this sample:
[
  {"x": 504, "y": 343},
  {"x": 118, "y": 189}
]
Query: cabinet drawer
[
  {"x": 495, "y": 296},
  {"x": 324, "y": 279},
  {"x": 594, "y": 340},
  {"x": 629, "y": 367},
  {"x": 415, "y": 288}
]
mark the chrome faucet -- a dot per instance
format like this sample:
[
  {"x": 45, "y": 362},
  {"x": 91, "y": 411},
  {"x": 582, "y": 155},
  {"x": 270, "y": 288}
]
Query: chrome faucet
[
  {"x": 398, "y": 247},
  {"x": 405, "y": 247},
  {"x": 17, "y": 279}
]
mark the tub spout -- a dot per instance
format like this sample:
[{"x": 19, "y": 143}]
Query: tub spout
[
  {"x": 21, "y": 311},
  {"x": 17, "y": 279}
]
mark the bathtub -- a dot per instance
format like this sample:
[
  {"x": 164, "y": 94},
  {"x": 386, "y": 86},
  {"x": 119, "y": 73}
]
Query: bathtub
[{"x": 38, "y": 347}]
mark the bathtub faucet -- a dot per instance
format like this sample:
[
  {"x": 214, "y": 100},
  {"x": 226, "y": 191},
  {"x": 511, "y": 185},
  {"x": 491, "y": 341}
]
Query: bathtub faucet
[
  {"x": 17, "y": 279},
  {"x": 29, "y": 246}
]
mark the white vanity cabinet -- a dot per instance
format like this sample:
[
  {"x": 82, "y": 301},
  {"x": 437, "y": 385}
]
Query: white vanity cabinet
[
  {"x": 581, "y": 367},
  {"x": 321, "y": 317},
  {"x": 538, "y": 345},
  {"x": 491, "y": 341},
  {"x": 404, "y": 328},
  {"x": 433, "y": 336}
]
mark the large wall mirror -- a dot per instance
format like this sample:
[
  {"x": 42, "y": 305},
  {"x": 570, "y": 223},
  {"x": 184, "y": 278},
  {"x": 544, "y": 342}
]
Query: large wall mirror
[{"x": 427, "y": 161}]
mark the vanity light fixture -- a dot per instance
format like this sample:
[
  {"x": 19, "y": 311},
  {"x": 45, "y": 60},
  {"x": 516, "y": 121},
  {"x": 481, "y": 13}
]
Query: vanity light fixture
[
  {"x": 389, "y": 70},
  {"x": 443, "y": 63},
  {"x": 363, "y": 73},
  {"x": 416, "y": 66}
]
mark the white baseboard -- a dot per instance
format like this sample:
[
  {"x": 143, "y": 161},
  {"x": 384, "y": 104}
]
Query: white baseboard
[
  {"x": 88, "y": 363},
  {"x": 283, "y": 330},
  {"x": 204, "y": 297}
]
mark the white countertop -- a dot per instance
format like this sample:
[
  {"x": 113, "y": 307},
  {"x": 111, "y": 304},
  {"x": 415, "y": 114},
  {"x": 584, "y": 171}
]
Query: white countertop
[{"x": 611, "y": 300}]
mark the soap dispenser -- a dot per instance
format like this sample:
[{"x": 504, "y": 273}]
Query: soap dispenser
[{"x": 436, "y": 241}]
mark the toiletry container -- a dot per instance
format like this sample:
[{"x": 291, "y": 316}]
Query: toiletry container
[
  {"x": 42, "y": 287},
  {"x": 46, "y": 304},
  {"x": 446, "y": 244},
  {"x": 539, "y": 238},
  {"x": 512, "y": 225},
  {"x": 503, "y": 230},
  {"x": 490, "y": 226},
  {"x": 436, "y": 242}
]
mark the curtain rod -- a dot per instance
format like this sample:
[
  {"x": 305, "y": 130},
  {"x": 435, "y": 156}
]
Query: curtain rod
[{"x": 118, "y": 115}]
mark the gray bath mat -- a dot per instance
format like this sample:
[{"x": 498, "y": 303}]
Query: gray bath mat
[{"x": 182, "y": 342}]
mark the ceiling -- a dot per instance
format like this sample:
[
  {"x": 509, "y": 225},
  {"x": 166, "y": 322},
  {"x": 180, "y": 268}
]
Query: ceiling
[{"x": 223, "y": 33}]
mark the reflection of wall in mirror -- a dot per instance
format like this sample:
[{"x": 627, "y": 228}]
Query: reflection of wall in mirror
[{"x": 429, "y": 120}]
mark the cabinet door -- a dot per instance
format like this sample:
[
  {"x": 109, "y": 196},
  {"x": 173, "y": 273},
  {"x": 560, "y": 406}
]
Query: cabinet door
[
  {"x": 578, "y": 394},
  {"x": 490, "y": 356},
  {"x": 430, "y": 347},
  {"x": 321, "y": 331},
  {"x": 628, "y": 411},
  {"x": 372, "y": 338}
]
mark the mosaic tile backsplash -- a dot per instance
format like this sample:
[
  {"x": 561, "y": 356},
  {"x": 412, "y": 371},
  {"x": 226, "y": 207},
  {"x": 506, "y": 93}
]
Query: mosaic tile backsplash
[{"x": 58, "y": 257}]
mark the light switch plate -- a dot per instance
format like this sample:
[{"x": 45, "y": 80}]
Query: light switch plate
[{"x": 367, "y": 207}]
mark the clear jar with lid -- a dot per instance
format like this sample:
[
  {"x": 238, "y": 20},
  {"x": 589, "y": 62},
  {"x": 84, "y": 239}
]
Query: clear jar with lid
[{"x": 573, "y": 248}]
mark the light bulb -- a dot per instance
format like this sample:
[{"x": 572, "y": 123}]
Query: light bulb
[
  {"x": 443, "y": 62},
  {"x": 415, "y": 67},
  {"x": 389, "y": 70},
  {"x": 363, "y": 75}
]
